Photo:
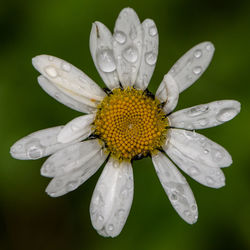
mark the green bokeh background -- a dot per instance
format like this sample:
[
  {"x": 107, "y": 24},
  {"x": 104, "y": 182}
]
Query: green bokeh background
[{"x": 29, "y": 219}]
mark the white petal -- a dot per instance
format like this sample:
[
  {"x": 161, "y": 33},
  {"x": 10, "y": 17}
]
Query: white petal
[
  {"x": 112, "y": 198},
  {"x": 192, "y": 65},
  {"x": 168, "y": 92},
  {"x": 70, "y": 158},
  {"x": 127, "y": 46},
  {"x": 57, "y": 93},
  {"x": 176, "y": 188},
  {"x": 149, "y": 54},
  {"x": 79, "y": 127},
  {"x": 38, "y": 144},
  {"x": 72, "y": 81},
  {"x": 101, "y": 48},
  {"x": 205, "y": 115},
  {"x": 63, "y": 184},
  {"x": 198, "y": 156}
]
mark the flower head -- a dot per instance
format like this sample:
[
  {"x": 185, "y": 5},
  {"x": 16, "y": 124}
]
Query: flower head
[{"x": 126, "y": 122}]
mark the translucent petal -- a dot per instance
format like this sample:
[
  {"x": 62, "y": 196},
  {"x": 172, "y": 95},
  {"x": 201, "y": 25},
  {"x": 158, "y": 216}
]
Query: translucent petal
[
  {"x": 60, "y": 95},
  {"x": 79, "y": 127},
  {"x": 112, "y": 198},
  {"x": 101, "y": 48},
  {"x": 192, "y": 65},
  {"x": 72, "y": 81},
  {"x": 149, "y": 54},
  {"x": 205, "y": 115},
  {"x": 127, "y": 46},
  {"x": 176, "y": 188},
  {"x": 70, "y": 158},
  {"x": 38, "y": 144},
  {"x": 198, "y": 156},
  {"x": 168, "y": 92},
  {"x": 62, "y": 184}
]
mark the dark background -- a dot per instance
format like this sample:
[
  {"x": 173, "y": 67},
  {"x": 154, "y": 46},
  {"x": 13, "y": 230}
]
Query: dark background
[{"x": 29, "y": 219}]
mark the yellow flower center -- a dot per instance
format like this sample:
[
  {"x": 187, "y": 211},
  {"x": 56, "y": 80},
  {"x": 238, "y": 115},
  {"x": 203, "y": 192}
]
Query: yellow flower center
[{"x": 131, "y": 123}]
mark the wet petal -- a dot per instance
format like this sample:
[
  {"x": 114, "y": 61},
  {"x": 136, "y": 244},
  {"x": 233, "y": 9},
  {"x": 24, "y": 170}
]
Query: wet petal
[
  {"x": 77, "y": 128},
  {"x": 168, "y": 92},
  {"x": 82, "y": 171},
  {"x": 38, "y": 144},
  {"x": 59, "y": 94},
  {"x": 112, "y": 198},
  {"x": 192, "y": 65},
  {"x": 176, "y": 188},
  {"x": 127, "y": 46},
  {"x": 205, "y": 115},
  {"x": 72, "y": 81},
  {"x": 149, "y": 54},
  {"x": 198, "y": 156},
  {"x": 70, "y": 158},
  {"x": 101, "y": 48}
]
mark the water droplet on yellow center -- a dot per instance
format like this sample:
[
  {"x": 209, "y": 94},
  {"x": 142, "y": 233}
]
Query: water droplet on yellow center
[{"x": 130, "y": 123}]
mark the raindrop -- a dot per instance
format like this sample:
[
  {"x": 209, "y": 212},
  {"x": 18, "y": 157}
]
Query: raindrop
[
  {"x": 152, "y": 31},
  {"x": 35, "y": 152},
  {"x": 130, "y": 54},
  {"x": 51, "y": 71},
  {"x": 100, "y": 218},
  {"x": 187, "y": 213},
  {"x": 150, "y": 58},
  {"x": 226, "y": 114},
  {"x": 120, "y": 37},
  {"x": 66, "y": 66},
  {"x": 217, "y": 155},
  {"x": 193, "y": 171},
  {"x": 194, "y": 207},
  {"x": 197, "y": 53},
  {"x": 206, "y": 151},
  {"x": 51, "y": 58},
  {"x": 208, "y": 47},
  {"x": 197, "y": 70},
  {"x": 121, "y": 213},
  {"x": 174, "y": 197},
  {"x": 72, "y": 185},
  {"x": 106, "y": 60},
  {"x": 209, "y": 180},
  {"x": 203, "y": 122},
  {"x": 198, "y": 110},
  {"x": 110, "y": 227}
]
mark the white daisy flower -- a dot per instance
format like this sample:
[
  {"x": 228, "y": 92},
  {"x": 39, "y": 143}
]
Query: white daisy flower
[{"x": 127, "y": 122}]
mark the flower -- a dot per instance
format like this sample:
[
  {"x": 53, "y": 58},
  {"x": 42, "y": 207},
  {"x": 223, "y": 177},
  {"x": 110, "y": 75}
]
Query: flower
[{"x": 126, "y": 122}]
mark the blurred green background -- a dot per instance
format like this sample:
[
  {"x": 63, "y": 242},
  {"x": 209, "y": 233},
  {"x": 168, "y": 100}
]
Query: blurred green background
[{"x": 29, "y": 219}]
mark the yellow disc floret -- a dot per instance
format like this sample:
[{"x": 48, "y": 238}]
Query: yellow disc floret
[{"x": 130, "y": 123}]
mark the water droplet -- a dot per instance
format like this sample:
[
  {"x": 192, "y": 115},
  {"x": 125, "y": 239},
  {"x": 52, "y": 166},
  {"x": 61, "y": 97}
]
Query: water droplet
[
  {"x": 151, "y": 58},
  {"x": 206, "y": 151},
  {"x": 226, "y": 114},
  {"x": 52, "y": 194},
  {"x": 198, "y": 110},
  {"x": 194, "y": 207},
  {"x": 203, "y": 122},
  {"x": 197, "y": 53},
  {"x": 66, "y": 66},
  {"x": 124, "y": 194},
  {"x": 51, "y": 71},
  {"x": 72, "y": 185},
  {"x": 110, "y": 227},
  {"x": 120, "y": 37},
  {"x": 133, "y": 32},
  {"x": 187, "y": 213},
  {"x": 197, "y": 70},
  {"x": 152, "y": 31},
  {"x": 51, "y": 58},
  {"x": 208, "y": 46},
  {"x": 106, "y": 61},
  {"x": 34, "y": 152},
  {"x": 217, "y": 155},
  {"x": 193, "y": 171},
  {"x": 130, "y": 54},
  {"x": 100, "y": 218},
  {"x": 120, "y": 213},
  {"x": 209, "y": 180},
  {"x": 174, "y": 197}
]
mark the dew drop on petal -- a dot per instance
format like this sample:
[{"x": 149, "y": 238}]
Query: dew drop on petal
[
  {"x": 226, "y": 114},
  {"x": 34, "y": 152},
  {"x": 120, "y": 37},
  {"x": 197, "y": 53},
  {"x": 51, "y": 71},
  {"x": 209, "y": 180},
  {"x": 197, "y": 70},
  {"x": 193, "y": 171},
  {"x": 110, "y": 227},
  {"x": 150, "y": 58},
  {"x": 66, "y": 66},
  {"x": 130, "y": 54},
  {"x": 152, "y": 31},
  {"x": 105, "y": 60}
]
